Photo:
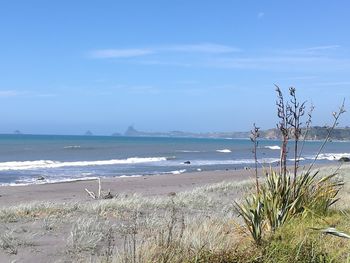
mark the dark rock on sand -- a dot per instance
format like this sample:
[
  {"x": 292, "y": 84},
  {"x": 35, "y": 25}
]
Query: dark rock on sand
[
  {"x": 108, "y": 196},
  {"x": 344, "y": 159}
]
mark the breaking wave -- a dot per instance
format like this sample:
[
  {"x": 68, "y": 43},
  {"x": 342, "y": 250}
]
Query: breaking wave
[
  {"x": 332, "y": 156},
  {"x": 224, "y": 151},
  {"x": 72, "y": 147},
  {"x": 233, "y": 162},
  {"x": 177, "y": 171},
  {"x": 188, "y": 151},
  {"x": 273, "y": 147},
  {"x": 45, "y": 164},
  {"x": 30, "y": 181}
]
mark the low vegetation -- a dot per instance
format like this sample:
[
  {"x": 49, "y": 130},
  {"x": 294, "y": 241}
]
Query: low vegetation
[
  {"x": 287, "y": 196},
  {"x": 195, "y": 226},
  {"x": 300, "y": 214}
]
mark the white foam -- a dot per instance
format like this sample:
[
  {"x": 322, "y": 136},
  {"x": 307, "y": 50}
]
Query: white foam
[
  {"x": 130, "y": 176},
  {"x": 233, "y": 162},
  {"x": 72, "y": 147},
  {"x": 331, "y": 156},
  {"x": 269, "y": 160},
  {"x": 45, "y": 164},
  {"x": 178, "y": 171},
  {"x": 300, "y": 159},
  {"x": 30, "y": 181},
  {"x": 188, "y": 151},
  {"x": 224, "y": 151},
  {"x": 273, "y": 147},
  {"x": 62, "y": 180}
]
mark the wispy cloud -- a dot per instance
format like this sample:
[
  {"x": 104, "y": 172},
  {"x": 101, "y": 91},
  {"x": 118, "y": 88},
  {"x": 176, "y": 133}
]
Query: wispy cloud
[
  {"x": 307, "y": 60},
  {"x": 24, "y": 93},
  {"x": 306, "y": 51},
  {"x": 316, "y": 58},
  {"x": 329, "y": 47},
  {"x": 8, "y": 93},
  {"x": 137, "y": 52},
  {"x": 120, "y": 53},
  {"x": 302, "y": 62},
  {"x": 201, "y": 48},
  {"x": 280, "y": 63}
]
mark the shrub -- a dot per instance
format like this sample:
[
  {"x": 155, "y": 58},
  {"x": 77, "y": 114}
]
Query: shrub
[{"x": 286, "y": 194}]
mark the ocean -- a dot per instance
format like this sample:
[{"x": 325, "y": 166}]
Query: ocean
[{"x": 24, "y": 159}]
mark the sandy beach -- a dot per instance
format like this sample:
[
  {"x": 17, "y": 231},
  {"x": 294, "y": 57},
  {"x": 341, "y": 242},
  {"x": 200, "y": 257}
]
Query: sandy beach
[
  {"x": 54, "y": 212},
  {"x": 146, "y": 185},
  {"x": 62, "y": 223}
]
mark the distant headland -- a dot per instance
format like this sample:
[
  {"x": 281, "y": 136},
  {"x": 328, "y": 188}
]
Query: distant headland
[{"x": 315, "y": 133}]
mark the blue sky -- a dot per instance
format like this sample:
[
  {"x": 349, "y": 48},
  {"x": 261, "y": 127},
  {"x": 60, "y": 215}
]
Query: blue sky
[{"x": 71, "y": 66}]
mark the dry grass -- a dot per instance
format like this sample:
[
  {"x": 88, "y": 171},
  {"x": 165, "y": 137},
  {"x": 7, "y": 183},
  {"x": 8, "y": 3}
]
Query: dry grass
[
  {"x": 193, "y": 226},
  {"x": 12, "y": 239},
  {"x": 86, "y": 234},
  {"x": 343, "y": 173},
  {"x": 135, "y": 228}
]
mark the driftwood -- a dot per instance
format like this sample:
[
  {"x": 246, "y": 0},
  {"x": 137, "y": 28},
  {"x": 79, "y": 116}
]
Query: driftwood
[
  {"x": 92, "y": 194},
  {"x": 99, "y": 187},
  {"x": 99, "y": 192}
]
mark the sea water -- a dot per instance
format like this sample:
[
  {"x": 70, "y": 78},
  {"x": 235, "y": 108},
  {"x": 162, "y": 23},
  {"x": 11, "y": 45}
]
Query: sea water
[{"x": 27, "y": 159}]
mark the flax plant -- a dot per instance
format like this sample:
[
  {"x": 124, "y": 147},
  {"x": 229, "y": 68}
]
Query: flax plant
[
  {"x": 283, "y": 126},
  {"x": 296, "y": 111},
  {"x": 254, "y": 135},
  {"x": 280, "y": 198},
  {"x": 252, "y": 213}
]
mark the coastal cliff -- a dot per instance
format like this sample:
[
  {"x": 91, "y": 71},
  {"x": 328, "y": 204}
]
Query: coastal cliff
[{"x": 314, "y": 133}]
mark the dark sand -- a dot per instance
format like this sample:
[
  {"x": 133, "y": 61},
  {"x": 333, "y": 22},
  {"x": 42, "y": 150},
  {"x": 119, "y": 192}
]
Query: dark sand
[
  {"x": 47, "y": 245},
  {"x": 145, "y": 185},
  {"x": 50, "y": 246}
]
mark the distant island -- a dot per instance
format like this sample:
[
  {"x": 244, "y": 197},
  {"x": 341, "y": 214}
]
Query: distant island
[
  {"x": 88, "y": 133},
  {"x": 315, "y": 133}
]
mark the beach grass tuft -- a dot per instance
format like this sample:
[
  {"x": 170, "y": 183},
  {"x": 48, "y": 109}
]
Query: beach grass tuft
[{"x": 200, "y": 225}]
